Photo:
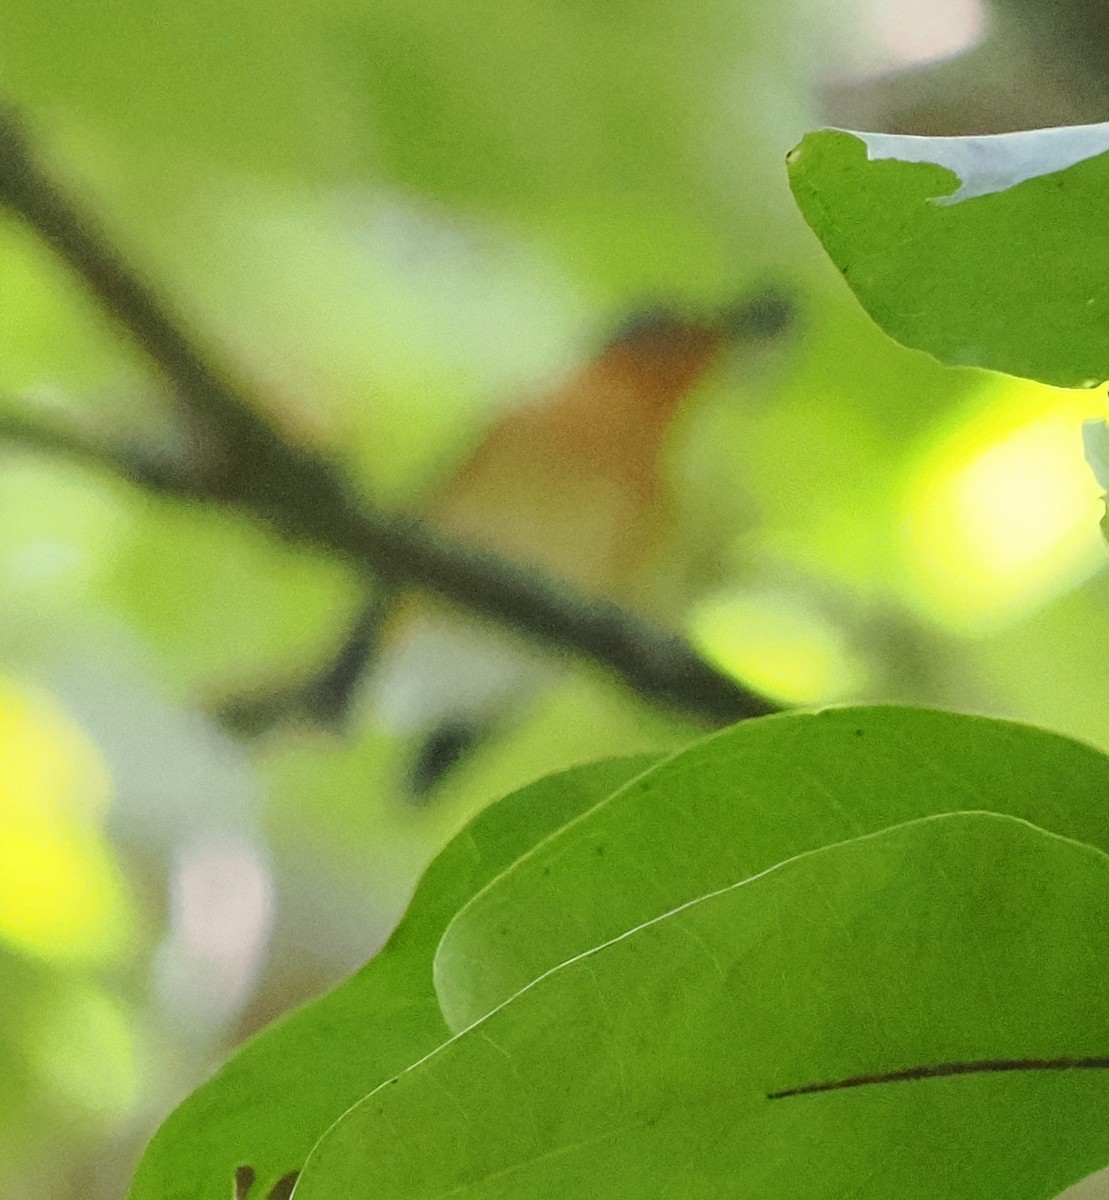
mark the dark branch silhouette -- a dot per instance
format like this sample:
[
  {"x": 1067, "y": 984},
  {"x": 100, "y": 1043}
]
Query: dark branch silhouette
[{"x": 248, "y": 465}]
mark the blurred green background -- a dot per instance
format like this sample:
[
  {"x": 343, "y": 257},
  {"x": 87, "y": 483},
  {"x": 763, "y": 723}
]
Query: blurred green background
[{"x": 397, "y": 218}]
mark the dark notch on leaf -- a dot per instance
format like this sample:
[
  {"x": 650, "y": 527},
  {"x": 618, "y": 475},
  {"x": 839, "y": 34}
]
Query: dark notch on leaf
[
  {"x": 283, "y": 1188},
  {"x": 990, "y": 1066},
  {"x": 245, "y": 1178},
  {"x": 244, "y": 1181}
]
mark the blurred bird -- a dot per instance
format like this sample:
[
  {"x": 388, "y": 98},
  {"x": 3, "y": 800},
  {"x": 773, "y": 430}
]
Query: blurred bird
[{"x": 568, "y": 484}]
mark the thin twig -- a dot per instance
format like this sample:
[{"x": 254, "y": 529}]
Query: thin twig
[
  {"x": 304, "y": 498},
  {"x": 145, "y": 467},
  {"x": 325, "y": 698}
]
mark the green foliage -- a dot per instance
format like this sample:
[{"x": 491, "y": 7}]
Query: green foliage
[
  {"x": 649, "y": 1066},
  {"x": 640, "y": 962},
  {"x": 396, "y": 218},
  {"x": 736, "y": 804},
  {"x": 231, "y": 81},
  {"x": 269, "y": 1104},
  {"x": 985, "y": 252}
]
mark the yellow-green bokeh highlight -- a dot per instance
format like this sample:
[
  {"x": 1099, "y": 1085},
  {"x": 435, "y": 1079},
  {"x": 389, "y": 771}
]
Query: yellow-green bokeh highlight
[
  {"x": 778, "y": 644},
  {"x": 61, "y": 895},
  {"x": 1000, "y": 510},
  {"x": 83, "y": 1045}
]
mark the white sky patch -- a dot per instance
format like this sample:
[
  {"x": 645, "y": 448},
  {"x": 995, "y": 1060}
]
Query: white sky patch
[{"x": 995, "y": 162}]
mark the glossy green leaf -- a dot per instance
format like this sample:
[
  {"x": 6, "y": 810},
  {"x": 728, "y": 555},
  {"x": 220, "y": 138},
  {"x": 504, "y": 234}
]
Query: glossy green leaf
[
  {"x": 654, "y": 1066},
  {"x": 986, "y": 251},
  {"x": 736, "y": 804},
  {"x": 267, "y": 1106}
]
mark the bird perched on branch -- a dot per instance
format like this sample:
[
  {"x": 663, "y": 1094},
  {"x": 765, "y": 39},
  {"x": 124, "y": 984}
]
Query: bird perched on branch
[{"x": 568, "y": 484}]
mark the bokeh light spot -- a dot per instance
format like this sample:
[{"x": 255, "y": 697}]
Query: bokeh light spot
[
  {"x": 61, "y": 896},
  {"x": 778, "y": 644},
  {"x": 1002, "y": 512},
  {"x": 84, "y": 1047}
]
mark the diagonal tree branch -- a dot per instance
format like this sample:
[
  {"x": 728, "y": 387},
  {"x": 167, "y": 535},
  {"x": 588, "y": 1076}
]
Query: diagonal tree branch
[
  {"x": 251, "y": 467},
  {"x": 147, "y": 466}
]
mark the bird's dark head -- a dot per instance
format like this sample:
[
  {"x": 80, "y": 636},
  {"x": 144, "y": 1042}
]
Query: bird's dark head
[
  {"x": 658, "y": 328},
  {"x": 668, "y": 351},
  {"x": 763, "y": 315}
]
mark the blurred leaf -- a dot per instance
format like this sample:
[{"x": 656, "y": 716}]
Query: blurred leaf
[
  {"x": 219, "y": 601},
  {"x": 592, "y": 125},
  {"x": 547, "y": 101},
  {"x": 64, "y": 524},
  {"x": 237, "y": 81},
  {"x": 983, "y": 251},
  {"x": 783, "y": 648},
  {"x": 830, "y": 445},
  {"x": 648, "y": 1067},
  {"x": 1042, "y": 665},
  {"x": 83, "y": 1044},
  {"x": 268, "y": 1105},
  {"x": 49, "y": 335},
  {"x": 736, "y": 804},
  {"x": 68, "y": 1065},
  {"x": 67, "y": 1051},
  {"x": 28, "y": 989}
]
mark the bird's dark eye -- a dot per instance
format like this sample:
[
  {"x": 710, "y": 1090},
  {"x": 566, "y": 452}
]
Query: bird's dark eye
[
  {"x": 765, "y": 314},
  {"x": 645, "y": 324}
]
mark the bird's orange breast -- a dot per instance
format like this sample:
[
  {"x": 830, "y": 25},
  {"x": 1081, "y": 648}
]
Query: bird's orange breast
[{"x": 571, "y": 483}]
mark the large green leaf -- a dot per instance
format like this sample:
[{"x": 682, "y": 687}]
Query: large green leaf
[
  {"x": 984, "y": 251},
  {"x": 649, "y": 1067},
  {"x": 741, "y": 801},
  {"x": 269, "y": 1104}
]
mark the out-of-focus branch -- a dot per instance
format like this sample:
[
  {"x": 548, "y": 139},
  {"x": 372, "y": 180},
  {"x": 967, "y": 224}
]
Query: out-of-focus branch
[
  {"x": 324, "y": 698},
  {"x": 141, "y": 465},
  {"x": 249, "y": 466}
]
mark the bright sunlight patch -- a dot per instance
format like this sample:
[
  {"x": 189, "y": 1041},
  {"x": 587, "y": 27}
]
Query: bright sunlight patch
[{"x": 1001, "y": 514}]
